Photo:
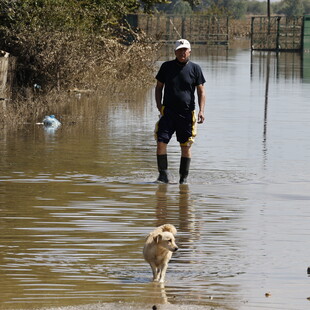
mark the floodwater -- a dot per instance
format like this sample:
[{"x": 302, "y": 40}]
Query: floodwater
[{"x": 77, "y": 203}]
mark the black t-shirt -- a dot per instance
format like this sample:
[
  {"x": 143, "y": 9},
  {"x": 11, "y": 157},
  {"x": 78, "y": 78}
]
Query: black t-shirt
[{"x": 180, "y": 83}]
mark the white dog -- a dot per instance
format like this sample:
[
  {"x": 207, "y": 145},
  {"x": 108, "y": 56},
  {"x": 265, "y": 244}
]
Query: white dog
[{"x": 158, "y": 248}]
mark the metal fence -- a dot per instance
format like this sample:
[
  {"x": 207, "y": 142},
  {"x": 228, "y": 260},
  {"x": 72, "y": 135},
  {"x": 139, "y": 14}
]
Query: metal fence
[
  {"x": 277, "y": 33},
  {"x": 306, "y": 33},
  {"x": 199, "y": 29}
]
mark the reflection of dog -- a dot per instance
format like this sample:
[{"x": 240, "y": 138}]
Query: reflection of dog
[{"x": 158, "y": 249}]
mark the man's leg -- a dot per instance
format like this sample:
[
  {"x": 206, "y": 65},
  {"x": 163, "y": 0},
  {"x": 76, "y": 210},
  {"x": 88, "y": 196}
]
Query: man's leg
[
  {"x": 162, "y": 162},
  {"x": 184, "y": 163},
  {"x": 161, "y": 148}
]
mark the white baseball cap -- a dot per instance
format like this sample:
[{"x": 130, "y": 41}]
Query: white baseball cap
[{"x": 182, "y": 43}]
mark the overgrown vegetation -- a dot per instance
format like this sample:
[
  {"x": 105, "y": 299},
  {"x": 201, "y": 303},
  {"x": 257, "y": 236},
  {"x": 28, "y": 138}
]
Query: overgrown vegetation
[
  {"x": 72, "y": 43},
  {"x": 236, "y": 8},
  {"x": 62, "y": 45}
]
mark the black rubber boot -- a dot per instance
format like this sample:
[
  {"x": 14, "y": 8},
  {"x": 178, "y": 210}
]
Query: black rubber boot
[
  {"x": 162, "y": 163},
  {"x": 184, "y": 169}
]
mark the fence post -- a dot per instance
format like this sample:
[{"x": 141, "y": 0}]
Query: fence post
[
  {"x": 302, "y": 33},
  {"x": 6, "y": 68},
  {"x": 252, "y": 32},
  {"x": 227, "y": 28},
  {"x": 278, "y": 34}
]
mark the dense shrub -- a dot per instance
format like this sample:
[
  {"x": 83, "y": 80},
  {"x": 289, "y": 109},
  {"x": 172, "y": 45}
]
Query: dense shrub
[{"x": 64, "y": 43}]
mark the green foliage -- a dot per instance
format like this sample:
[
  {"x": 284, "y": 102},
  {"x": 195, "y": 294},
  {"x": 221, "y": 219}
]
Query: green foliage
[
  {"x": 148, "y": 5},
  {"x": 239, "y": 8},
  {"x": 88, "y": 15},
  {"x": 306, "y": 4},
  {"x": 257, "y": 8},
  {"x": 182, "y": 7},
  {"x": 291, "y": 7},
  {"x": 233, "y": 8},
  {"x": 55, "y": 40},
  {"x": 194, "y": 3}
]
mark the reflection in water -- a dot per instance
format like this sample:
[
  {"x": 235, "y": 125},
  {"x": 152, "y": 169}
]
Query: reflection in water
[
  {"x": 50, "y": 130},
  {"x": 161, "y": 209},
  {"x": 199, "y": 239},
  {"x": 306, "y": 66},
  {"x": 162, "y": 214},
  {"x": 272, "y": 65},
  {"x": 76, "y": 206},
  {"x": 282, "y": 65},
  {"x": 158, "y": 293},
  {"x": 266, "y": 106},
  {"x": 187, "y": 213},
  {"x": 64, "y": 245},
  {"x": 185, "y": 219}
]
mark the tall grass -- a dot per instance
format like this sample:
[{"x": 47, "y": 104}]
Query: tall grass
[
  {"x": 104, "y": 68},
  {"x": 61, "y": 46}
]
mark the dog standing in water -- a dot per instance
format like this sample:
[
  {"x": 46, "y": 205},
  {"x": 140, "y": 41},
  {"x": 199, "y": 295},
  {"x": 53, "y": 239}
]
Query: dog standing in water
[{"x": 158, "y": 249}]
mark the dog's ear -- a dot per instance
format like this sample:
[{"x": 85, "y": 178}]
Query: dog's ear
[{"x": 158, "y": 238}]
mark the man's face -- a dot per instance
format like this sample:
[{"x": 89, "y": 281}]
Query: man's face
[{"x": 182, "y": 54}]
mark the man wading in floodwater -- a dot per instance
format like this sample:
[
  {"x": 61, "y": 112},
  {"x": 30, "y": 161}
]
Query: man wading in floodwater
[{"x": 179, "y": 78}]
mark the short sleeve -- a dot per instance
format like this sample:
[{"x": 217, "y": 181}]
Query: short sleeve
[
  {"x": 200, "y": 79},
  {"x": 161, "y": 75}
]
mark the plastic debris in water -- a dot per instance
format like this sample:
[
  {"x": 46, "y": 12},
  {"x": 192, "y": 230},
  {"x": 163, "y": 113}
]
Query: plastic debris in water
[{"x": 51, "y": 121}]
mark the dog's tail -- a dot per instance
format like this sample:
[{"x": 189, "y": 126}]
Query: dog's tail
[{"x": 169, "y": 228}]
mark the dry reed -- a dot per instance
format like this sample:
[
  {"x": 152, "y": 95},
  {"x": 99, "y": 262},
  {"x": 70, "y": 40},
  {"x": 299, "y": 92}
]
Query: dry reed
[{"x": 83, "y": 65}]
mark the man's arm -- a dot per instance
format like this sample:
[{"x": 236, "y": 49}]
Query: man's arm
[
  {"x": 201, "y": 103},
  {"x": 159, "y": 94}
]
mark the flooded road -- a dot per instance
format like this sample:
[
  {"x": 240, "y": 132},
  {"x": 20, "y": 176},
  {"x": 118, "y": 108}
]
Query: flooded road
[{"x": 77, "y": 203}]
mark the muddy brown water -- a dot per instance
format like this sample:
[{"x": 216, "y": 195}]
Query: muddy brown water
[{"x": 77, "y": 203}]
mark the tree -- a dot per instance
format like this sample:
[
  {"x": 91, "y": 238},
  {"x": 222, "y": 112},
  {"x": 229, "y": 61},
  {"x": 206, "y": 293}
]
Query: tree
[
  {"x": 290, "y": 8},
  {"x": 54, "y": 40},
  {"x": 306, "y": 4},
  {"x": 194, "y": 3},
  {"x": 234, "y": 8},
  {"x": 147, "y": 5},
  {"x": 239, "y": 9},
  {"x": 256, "y": 8},
  {"x": 294, "y": 7},
  {"x": 182, "y": 7}
]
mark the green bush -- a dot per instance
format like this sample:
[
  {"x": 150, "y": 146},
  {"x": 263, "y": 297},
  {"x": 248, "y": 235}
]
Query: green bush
[
  {"x": 57, "y": 42},
  {"x": 182, "y": 7}
]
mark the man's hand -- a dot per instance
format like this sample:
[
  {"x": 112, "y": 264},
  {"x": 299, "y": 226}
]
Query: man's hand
[
  {"x": 158, "y": 95},
  {"x": 201, "y": 118},
  {"x": 201, "y": 102}
]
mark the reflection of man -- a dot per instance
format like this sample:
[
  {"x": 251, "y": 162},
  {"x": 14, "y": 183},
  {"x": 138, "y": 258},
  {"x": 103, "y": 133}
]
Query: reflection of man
[
  {"x": 181, "y": 213},
  {"x": 179, "y": 78},
  {"x": 167, "y": 208}
]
